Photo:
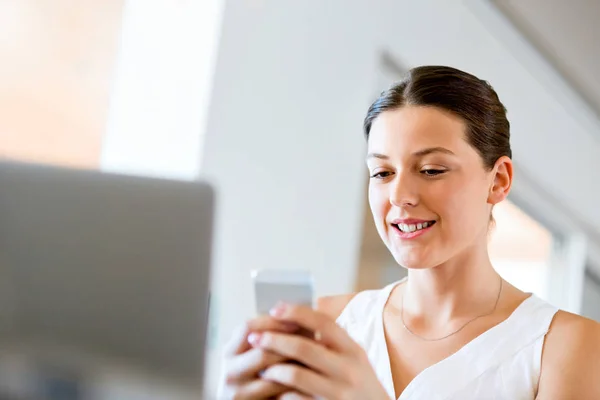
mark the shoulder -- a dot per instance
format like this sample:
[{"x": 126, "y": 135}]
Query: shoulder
[
  {"x": 334, "y": 305},
  {"x": 363, "y": 301},
  {"x": 570, "y": 359}
]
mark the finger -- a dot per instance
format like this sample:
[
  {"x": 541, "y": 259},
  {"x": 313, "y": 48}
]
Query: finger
[
  {"x": 239, "y": 341},
  {"x": 326, "y": 330},
  {"x": 293, "y": 396},
  {"x": 307, "y": 351},
  {"x": 302, "y": 379},
  {"x": 260, "y": 389},
  {"x": 247, "y": 365}
]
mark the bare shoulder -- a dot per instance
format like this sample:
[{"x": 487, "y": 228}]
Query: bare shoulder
[
  {"x": 570, "y": 359},
  {"x": 334, "y": 305}
]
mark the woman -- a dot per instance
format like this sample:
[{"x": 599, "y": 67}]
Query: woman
[{"x": 439, "y": 159}]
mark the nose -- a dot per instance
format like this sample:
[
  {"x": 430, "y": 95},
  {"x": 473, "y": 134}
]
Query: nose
[{"x": 403, "y": 191}]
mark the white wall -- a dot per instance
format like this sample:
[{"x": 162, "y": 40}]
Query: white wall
[
  {"x": 284, "y": 145},
  {"x": 591, "y": 300}
]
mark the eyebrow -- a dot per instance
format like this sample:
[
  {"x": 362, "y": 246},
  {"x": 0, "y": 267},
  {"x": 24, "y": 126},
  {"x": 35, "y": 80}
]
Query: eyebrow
[
  {"x": 377, "y": 155},
  {"x": 419, "y": 153},
  {"x": 430, "y": 150}
]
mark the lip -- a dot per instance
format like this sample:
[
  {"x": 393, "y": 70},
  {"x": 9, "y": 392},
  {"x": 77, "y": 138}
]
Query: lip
[{"x": 410, "y": 221}]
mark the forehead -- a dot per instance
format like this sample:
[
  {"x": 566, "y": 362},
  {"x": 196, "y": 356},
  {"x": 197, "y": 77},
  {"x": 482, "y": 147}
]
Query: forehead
[{"x": 411, "y": 128}]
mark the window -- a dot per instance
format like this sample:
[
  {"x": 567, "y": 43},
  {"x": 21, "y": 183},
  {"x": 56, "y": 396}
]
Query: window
[
  {"x": 521, "y": 249},
  {"x": 55, "y": 76}
]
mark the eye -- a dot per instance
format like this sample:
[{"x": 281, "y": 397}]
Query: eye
[
  {"x": 381, "y": 175},
  {"x": 431, "y": 172}
]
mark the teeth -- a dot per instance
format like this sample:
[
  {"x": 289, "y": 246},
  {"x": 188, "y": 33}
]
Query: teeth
[{"x": 413, "y": 227}]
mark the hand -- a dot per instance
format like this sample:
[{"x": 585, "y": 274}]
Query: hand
[
  {"x": 244, "y": 363},
  {"x": 335, "y": 366}
]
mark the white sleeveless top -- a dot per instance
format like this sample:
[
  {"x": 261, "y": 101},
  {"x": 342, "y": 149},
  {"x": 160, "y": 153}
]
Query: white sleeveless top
[{"x": 502, "y": 363}]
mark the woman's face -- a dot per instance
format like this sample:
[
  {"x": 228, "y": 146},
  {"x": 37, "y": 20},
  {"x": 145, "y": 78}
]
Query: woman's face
[{"x": 429, "y": 192}]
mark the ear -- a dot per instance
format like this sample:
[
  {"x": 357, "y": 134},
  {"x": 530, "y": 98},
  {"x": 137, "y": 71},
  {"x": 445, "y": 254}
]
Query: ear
[{"x": 502, "y": 175}]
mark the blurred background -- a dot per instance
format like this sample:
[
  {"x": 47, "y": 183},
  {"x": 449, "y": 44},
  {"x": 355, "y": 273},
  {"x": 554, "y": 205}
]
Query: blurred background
[{"x": 265, "y": 99}]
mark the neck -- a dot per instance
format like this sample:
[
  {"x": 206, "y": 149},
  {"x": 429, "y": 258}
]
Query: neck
[{"x": 460, "y": 288}]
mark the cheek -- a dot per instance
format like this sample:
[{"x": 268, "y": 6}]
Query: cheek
[
  {"x": 464, "y": 208},
  {"x": 379, "y": 204}
]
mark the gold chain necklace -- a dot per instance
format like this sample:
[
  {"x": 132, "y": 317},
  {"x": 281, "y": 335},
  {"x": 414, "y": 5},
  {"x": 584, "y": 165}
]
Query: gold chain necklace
[{"x": 456, "y": 331}]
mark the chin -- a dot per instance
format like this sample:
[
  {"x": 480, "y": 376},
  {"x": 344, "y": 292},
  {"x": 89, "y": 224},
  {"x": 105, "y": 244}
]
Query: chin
[{"x": 413, "y": 259}]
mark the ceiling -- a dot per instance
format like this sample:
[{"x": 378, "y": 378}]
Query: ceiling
[{"x": 567, "y": 35}]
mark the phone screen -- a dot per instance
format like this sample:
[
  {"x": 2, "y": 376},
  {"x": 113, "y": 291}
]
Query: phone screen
[
  {"x": 269, "y": 294},
  {"x": 273, "y": 286}
]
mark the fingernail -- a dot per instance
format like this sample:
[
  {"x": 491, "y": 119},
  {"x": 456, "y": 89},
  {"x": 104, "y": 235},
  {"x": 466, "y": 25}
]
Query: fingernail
[
  {"x": 278, "y": 310},
  {"x": 254, "y": 339}
]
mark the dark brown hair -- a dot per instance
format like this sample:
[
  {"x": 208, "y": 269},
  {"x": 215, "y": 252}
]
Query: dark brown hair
[{"x": 450, "y": 89}]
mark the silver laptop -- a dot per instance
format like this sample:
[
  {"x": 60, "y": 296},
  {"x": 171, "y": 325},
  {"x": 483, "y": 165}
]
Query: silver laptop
[{"x": 104, "y": 284}]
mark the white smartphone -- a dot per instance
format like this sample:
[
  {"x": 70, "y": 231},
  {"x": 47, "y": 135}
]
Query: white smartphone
[{"x": 289, "y": 286}]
